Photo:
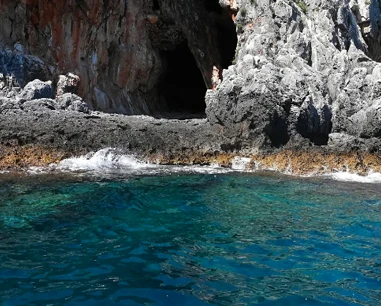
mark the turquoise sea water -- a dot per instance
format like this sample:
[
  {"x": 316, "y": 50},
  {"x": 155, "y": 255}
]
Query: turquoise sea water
[{"x": 189, "y": 239}]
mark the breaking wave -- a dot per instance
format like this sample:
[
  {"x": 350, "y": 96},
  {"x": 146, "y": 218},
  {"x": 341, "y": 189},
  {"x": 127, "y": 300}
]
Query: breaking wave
[
  {"x": 371, "y": 177},
  {"x": 105, "y": 159},
  {"x": 240, "y": 163},
  {"x": 111, "y": 161}
]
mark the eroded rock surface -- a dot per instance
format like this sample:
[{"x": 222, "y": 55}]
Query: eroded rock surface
[
  {"x": 305, "y": 69},
  {"x": 306, "y": 73},
  {"x": 115, "y": 47}
]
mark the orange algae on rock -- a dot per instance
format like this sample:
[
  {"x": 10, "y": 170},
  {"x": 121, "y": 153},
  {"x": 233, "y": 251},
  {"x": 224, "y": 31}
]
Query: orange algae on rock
[
  {"x": 304, "y": 163},
  {"x": 286, "y": 161},
  {"x": 29, "y": 156}
]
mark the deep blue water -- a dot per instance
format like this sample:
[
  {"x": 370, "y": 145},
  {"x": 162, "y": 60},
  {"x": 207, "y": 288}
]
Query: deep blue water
[{"x": 227, "y": 239}]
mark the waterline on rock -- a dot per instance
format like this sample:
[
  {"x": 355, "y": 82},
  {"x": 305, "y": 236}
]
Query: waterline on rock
[
  {"x": 113, "y": 161},
  {"x": 104, "y": 159},
  {"x": 109, "y": 162},
  {"x": 240, "y": 163}
]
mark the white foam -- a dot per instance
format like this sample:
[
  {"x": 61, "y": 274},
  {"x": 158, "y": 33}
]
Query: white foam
[
  {"x": 371, "y": 177},
  {"x": 38, "y": 170},
  {"x": 240, "y": 163},
  {"x": 105, "y": 159},
  {"x": 212, "y": 169},
  {"x": 109, "y": 161}
]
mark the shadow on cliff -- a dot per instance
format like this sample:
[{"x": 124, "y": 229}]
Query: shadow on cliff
[
  {"x": 182, "y": 87},
  {"x": 186, "y": 75}
]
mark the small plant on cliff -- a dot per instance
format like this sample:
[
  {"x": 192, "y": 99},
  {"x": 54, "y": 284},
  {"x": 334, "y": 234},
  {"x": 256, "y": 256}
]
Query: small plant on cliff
[
  {"x": 239, "y": 28},
  {"x": 243, "y": 12},
  {"x": 235, "y": 56},
  {"x": 302, "y": 5}
]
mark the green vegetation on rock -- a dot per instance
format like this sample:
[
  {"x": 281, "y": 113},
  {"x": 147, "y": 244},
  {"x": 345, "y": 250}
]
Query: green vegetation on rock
[{"x": 302, "y": 5}]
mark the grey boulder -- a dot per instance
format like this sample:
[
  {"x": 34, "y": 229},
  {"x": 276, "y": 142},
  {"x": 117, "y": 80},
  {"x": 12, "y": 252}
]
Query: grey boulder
[
  {"x": 72, "y": 102},
  {"x": 36, "y": 89},
  {"x": 67, "y": 84}
]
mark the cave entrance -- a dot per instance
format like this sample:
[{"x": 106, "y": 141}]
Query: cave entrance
[
  {"x": 156, "y": 5},
  {"x": 183, "y": 87},
  {"x": 227, "y": 39},
  {"x": 226, "y": 31}
]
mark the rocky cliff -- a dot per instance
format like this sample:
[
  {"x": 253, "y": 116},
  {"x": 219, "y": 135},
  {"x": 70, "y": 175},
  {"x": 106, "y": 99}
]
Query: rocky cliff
[
  {"x": 278, "y": 74},
  {"x": 120, "y": 49},
  {"x": 306, "y": 72}
]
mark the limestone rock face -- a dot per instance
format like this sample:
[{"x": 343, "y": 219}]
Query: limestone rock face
[
  {"x": 304, "y": 70},
  {"x": 15, "y": 63},
  {"x": 113, "y": 46},
  {"x": 105, "y": 43}
]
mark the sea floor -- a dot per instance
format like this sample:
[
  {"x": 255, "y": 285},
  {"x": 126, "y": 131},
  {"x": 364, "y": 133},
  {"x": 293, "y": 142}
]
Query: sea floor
[{"x": 177, "y": 238}]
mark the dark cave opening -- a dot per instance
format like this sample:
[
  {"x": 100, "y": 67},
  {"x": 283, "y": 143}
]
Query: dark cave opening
[
  {"x": 226, "y": 31},
  {"x": 183, "y": 87},
  {"x": 156, "y": 5},
  {"x": 213, "y": 6},
  {"x": 226, "y": 40}
]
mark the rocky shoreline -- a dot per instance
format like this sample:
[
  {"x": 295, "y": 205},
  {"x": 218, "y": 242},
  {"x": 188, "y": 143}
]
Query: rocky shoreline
[
  {"x": 41, "y": 137},
  {"x": 302, "y": 95}
]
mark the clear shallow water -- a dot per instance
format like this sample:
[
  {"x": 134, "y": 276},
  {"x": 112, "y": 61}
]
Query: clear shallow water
[{"x": 226, "y": 239}]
